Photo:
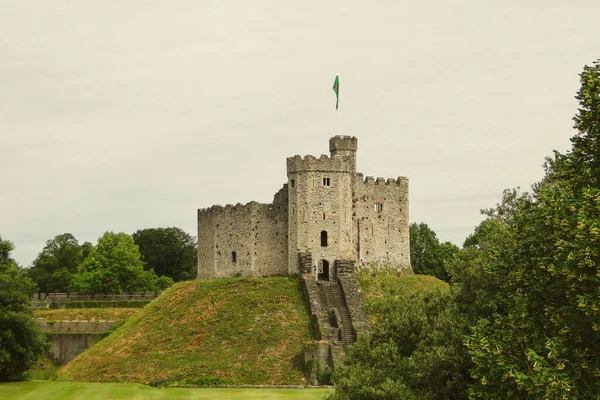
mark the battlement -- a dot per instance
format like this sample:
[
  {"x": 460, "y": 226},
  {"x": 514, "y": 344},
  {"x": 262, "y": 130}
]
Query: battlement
[
  {"x": 369, "y": 180},
  {"x": 231, "y": 208},
  {"x": 323, "y": 163},
  {"x": 343, "y": 143}
]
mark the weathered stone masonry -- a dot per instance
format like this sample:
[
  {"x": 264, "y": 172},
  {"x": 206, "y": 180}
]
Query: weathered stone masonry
[{"x": 326, "y": 210}]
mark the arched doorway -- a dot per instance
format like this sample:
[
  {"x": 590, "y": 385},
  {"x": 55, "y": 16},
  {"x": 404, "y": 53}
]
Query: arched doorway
[{"x": 323, "y": 270}]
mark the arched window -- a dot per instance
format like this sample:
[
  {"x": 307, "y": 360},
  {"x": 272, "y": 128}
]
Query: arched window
[
  {"x": 233, "y": 256},
  {"x": 323, "y": 238}
]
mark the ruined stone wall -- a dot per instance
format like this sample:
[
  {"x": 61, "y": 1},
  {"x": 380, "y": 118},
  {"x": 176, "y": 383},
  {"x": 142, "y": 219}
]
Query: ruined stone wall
[
  {"x": 381, "y": 232},
  {"x": 255, "y": 232},
  {"x": 320, "y": 200},
  {"x": 66, "y": 346},
  {"x": 75, "y": 326}
]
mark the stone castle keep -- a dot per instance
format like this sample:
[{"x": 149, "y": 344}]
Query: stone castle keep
[{"x": 327, "y": 217}]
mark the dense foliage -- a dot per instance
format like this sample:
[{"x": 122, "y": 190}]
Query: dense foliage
[
  {"x": 522, "y": 319},
  {"x": 543, "y": 337},
  {"x": 55, "y": 266},
  {"x": 21, "y": 341},
  {"x": 427, "y": 255},
  {"x": 169, "y": 252},
  {"x": 413, "y": 349},
  {"x": 114, "y": 266}
]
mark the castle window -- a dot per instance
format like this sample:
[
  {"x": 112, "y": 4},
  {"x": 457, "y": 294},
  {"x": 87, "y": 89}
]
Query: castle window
[
  {"x": 323, "y": 238},
  {"x": 326, "y": 181},
  {"x": 233, "y": 256},
  {"x": 323, "y": 215},
  {"x": 379, "y": 207},
  {"x": 293, "y": 182}
]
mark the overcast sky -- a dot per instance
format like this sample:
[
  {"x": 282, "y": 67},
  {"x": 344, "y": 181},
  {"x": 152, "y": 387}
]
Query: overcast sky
[{"x": 120, "y": 115}]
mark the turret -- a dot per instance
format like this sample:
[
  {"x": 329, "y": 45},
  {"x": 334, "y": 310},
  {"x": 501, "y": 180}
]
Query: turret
[{"x": 344, "y": 146}]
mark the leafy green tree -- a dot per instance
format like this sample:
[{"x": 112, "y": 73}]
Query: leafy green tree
[
  {"x": 54, "y": 267},
  {"x": 427, "y": 255},
  {"x": 113, "y": 266},
  {"x": 542, "y": 338},
  {"x": 21, "y": 341},
  {"x": 86, "y": 249},
  {"x": 169, "y": 251},
  {"x": 414, "y": 351}
]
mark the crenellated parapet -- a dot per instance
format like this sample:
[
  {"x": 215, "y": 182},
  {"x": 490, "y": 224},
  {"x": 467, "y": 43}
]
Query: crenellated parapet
[
  {"x": 232, "y": 208},
  {"x": 379, "y": 181},
  {"x": 343, "y": 143},
  {"x": 313, "y": 164}
]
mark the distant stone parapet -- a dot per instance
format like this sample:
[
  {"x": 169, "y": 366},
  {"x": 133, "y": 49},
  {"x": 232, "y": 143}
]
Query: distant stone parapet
[
  {"x": 370, "y": 180},
  {"x": 343, "y": 143},
  {"x": 217, "y": 209},
  {"x": 323, "y": 163}
]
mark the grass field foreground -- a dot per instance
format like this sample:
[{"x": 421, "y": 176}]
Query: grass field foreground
[
  {"x": 235, "y": 331},
  {"x": 34, "y": 390}
]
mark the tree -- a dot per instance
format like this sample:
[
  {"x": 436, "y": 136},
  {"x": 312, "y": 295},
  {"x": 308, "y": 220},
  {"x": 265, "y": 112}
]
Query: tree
[
  {"x": 21, "y": 341},
  {"x": 542, "y": 338},
  {"x": 113, "y": 266},
  {"x": 413, "y": 351},
  {"x": 169, "y": 251},
  {"x": 54, "y": 267},
  {"x": 427, "y": 255}
]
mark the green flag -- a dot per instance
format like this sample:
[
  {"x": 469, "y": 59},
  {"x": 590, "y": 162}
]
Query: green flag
[{"x": 336, "y": 89}]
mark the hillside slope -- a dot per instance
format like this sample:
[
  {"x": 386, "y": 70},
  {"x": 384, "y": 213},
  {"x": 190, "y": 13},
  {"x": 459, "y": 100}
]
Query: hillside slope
[
  {"x": 206, "y": 332},
  {"x": 391, "y": 286}
]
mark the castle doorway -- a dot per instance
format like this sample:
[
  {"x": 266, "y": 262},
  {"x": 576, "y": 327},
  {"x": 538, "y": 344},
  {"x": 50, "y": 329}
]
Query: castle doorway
[{"x": 323, "y": 270}]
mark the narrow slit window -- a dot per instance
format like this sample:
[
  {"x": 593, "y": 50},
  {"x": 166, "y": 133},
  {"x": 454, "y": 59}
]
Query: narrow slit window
[
  {"x": 233, "y": 256},
  {"x": 379, "y": 207},
  {"x": 323, "y": 215},
  {"x": 293, "y": 182},
  {"x": 323, "y": 238},
  {"x": 326, "y": 181}
]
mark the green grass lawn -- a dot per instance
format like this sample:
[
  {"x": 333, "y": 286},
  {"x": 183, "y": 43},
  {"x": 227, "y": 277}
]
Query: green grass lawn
[{"x": 46, "y": 390}]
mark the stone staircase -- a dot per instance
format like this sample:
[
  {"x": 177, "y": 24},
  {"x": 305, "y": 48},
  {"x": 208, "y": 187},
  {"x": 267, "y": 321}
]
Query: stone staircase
[
  {"x": 332, "y": 297},
  {"x": 337, "y": 315}
]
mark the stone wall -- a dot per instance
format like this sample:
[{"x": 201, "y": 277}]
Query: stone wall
[
  {"x": 43, "y": 299},
  {"x": 66, "y": 346},
  {"x": 70, "y": 338},
  {"x": 320, "y": 200},
  {"x": 243, "y": 240},
  {"x": 380, "y": 210},
  {"x": 75, "y": 326}
]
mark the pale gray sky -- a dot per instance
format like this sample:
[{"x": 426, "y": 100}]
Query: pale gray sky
[{"x": 124, "y": 115}]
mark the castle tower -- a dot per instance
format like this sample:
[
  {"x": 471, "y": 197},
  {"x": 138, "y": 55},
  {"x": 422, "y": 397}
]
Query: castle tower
[
  {"x": 320, "y": 206},
  {"x": 344, "y": 146}
]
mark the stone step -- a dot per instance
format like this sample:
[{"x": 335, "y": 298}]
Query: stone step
[{"x": 332, "y": 296}]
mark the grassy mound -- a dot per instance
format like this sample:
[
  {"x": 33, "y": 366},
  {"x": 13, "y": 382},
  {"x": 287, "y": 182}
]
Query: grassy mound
[
  {"x": 215, "y": 332},
  {"x": 377, "y": 287}
]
